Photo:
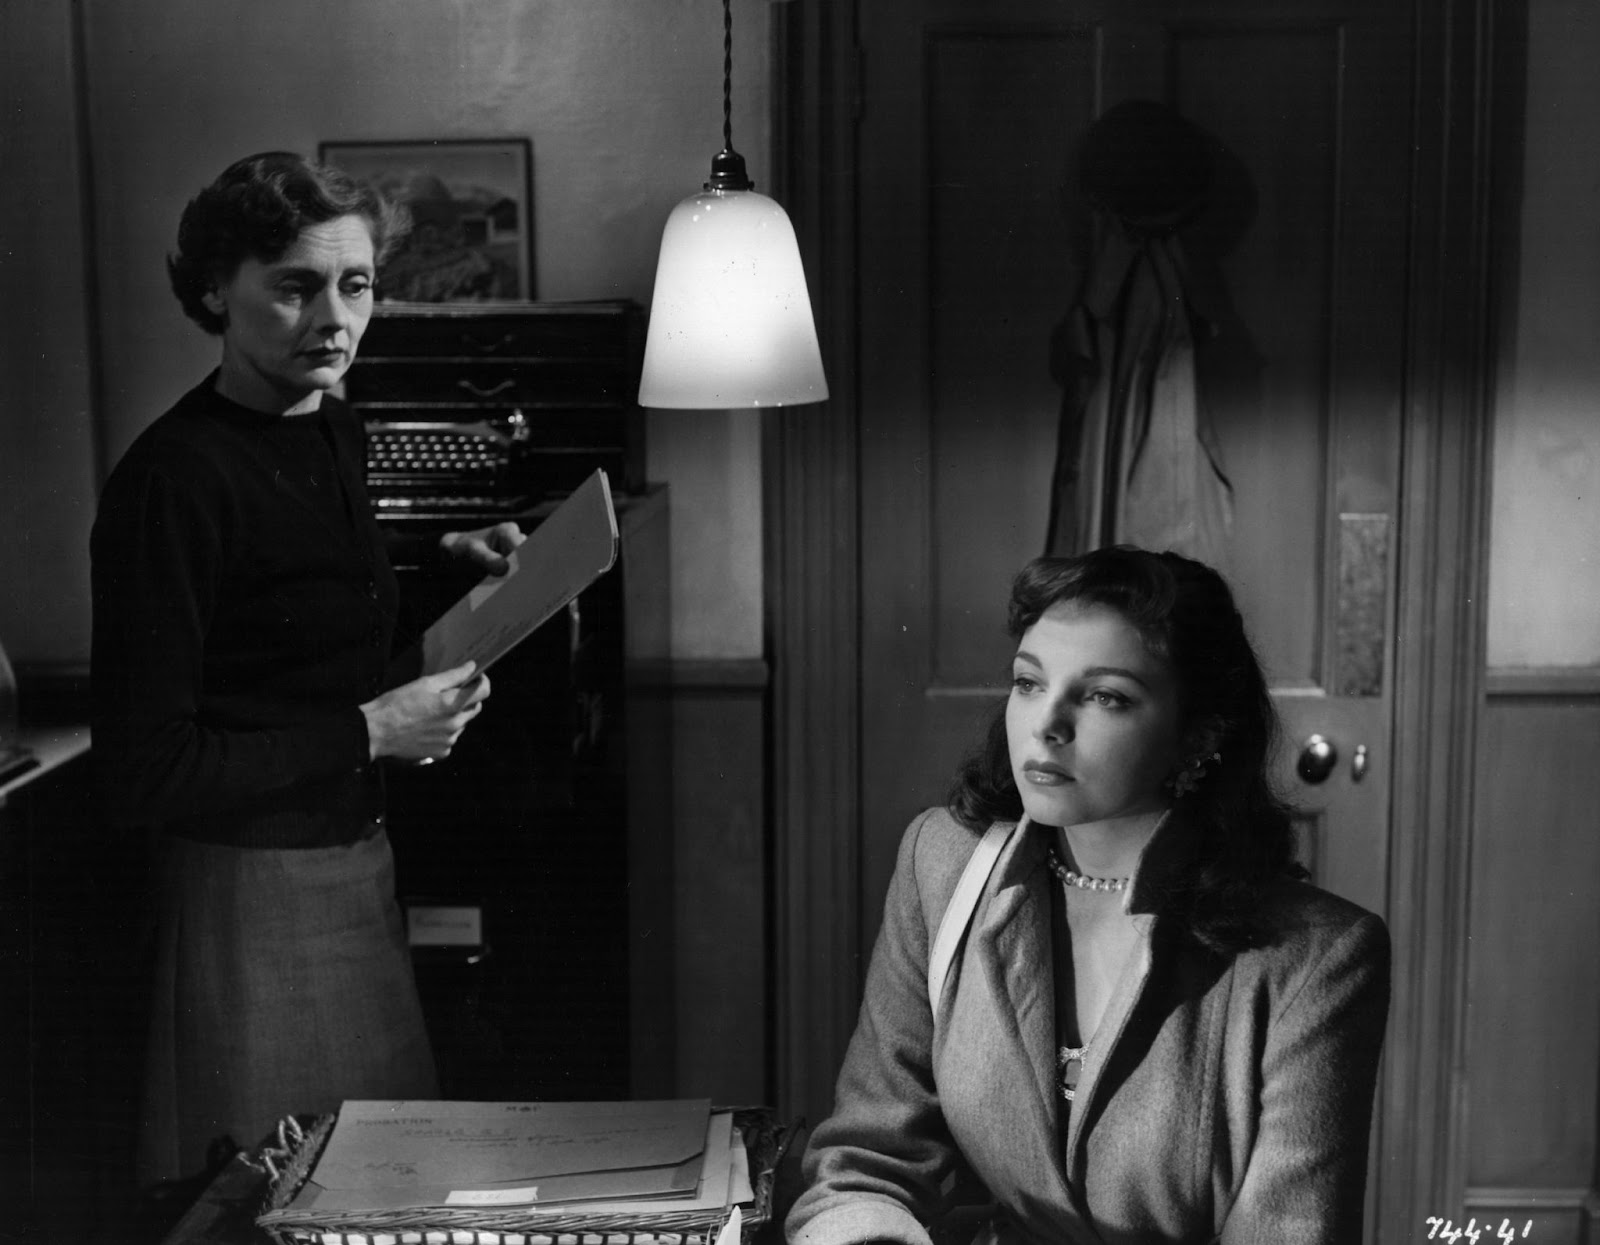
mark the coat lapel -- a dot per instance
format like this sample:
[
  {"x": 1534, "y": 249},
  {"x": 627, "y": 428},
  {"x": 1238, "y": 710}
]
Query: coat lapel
[
  {"x": 1112, "y": 1024},
  {"x": 1013, "y": 950},
  {"x": 1168, "y": 852},
  {"x": 1009, "y": 961}
]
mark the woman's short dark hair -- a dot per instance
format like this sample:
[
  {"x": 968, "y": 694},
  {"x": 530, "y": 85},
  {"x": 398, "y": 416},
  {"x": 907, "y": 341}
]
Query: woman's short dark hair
[
  {"x": 255, "y": 210},
  {"x": 1187, "y": 616}
]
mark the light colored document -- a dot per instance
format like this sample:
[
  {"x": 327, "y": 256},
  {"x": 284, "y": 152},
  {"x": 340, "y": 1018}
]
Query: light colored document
[
  {"x": 561, "y": 557},
  {"x": 385, "y": 1155},
  {"x": 740, "y": 1190},
  {"x": 724, "y": 1180}
]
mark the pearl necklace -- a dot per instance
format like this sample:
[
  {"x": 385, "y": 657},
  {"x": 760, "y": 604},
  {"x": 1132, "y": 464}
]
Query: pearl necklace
[{"x": 1070, "y": 877}]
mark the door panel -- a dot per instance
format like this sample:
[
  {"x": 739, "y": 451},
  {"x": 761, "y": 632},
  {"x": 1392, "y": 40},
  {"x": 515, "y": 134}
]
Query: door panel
[
  {"x": 969, "y": 247},
  {"x": 999, "y": 105}
]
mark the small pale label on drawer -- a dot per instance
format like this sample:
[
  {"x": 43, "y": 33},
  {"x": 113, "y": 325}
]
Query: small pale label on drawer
[
  {"x": 492, "y": 1197},
  {"x": 437, "y": 925}
]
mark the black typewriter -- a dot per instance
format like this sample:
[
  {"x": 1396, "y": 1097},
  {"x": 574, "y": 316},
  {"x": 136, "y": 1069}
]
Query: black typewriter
[
  {"x": 446, "y": 468},
  {"x": 489, "y": 409}
]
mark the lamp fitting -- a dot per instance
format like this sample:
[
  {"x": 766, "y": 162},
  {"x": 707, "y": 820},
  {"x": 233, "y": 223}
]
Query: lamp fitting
[{"x": 728, "y": 172}]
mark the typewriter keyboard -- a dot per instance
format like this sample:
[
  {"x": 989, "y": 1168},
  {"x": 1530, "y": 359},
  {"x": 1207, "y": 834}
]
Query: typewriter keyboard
[{"x": 448, "y": 452}]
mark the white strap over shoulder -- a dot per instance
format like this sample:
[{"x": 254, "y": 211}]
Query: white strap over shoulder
[{"x": 963, "y": 903}]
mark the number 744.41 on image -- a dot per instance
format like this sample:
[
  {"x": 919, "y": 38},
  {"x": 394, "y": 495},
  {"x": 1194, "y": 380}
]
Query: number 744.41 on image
[{"x": 1444, "y": 1230}]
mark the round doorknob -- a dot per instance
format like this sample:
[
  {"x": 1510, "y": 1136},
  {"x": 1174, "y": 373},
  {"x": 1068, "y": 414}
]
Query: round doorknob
[{"x": 1318, "y": 756}]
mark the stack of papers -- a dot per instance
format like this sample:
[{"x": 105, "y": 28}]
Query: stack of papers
[{"x": 592, "y": 1158}]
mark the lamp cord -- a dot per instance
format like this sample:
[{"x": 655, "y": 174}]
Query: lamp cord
[
  {"x": 727, "y": 166},
  {"x": 727, "y": 75}
]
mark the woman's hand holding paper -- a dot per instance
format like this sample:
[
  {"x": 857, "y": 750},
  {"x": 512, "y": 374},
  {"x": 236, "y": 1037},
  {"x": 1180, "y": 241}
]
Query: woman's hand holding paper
[
  {"x": 487, "y": 547},
  {"x": 420, "y": 721}
]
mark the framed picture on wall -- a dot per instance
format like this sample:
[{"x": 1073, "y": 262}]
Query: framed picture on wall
[{"x": 471, "y": 205}]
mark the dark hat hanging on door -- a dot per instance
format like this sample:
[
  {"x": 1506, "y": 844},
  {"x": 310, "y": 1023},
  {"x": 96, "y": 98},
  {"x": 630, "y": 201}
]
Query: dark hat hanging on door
[{"x": 1145, "y": 165}]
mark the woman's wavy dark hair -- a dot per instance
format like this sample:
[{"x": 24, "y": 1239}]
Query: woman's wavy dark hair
[
  {"x": 255, "y": 209},
  {"x": 1187, "y": 616}
]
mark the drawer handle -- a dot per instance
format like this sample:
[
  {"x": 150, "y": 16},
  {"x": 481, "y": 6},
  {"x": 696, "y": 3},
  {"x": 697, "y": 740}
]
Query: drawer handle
[
  {"x": 488, "y": 347},
  {"x": 495, "y": 392}
]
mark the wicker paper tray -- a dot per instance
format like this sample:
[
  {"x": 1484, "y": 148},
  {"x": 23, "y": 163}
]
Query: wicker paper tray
[{"x": 291, "y": 1161}]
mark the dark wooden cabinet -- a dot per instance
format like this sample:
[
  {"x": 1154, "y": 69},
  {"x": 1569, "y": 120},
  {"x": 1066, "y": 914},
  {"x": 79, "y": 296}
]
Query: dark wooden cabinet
[
  {"x": 477, "y": 413},
  {"x": 536, "y": 820}
]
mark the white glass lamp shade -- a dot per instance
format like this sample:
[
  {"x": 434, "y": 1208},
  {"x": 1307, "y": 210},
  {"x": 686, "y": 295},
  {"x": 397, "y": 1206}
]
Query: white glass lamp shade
[{"x": 730, "y": 322}]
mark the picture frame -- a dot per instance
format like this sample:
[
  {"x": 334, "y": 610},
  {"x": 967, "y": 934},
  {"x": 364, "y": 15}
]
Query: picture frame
[{"x": 471, "y": 205}]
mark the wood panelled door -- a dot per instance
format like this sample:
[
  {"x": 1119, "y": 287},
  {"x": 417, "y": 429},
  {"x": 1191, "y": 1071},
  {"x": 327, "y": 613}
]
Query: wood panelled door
[{"x": 969, "y": 257}]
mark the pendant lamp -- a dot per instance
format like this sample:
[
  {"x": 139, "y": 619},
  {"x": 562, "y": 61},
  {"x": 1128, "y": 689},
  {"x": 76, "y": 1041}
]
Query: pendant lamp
[{"x": 730, "y": 322}]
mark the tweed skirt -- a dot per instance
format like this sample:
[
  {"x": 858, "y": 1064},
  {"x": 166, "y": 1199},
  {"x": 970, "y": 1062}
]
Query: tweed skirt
[{"x": 282, "y": 985}]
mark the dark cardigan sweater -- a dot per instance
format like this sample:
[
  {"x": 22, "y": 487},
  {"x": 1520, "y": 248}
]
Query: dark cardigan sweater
[{"x": 244, "y": 608}]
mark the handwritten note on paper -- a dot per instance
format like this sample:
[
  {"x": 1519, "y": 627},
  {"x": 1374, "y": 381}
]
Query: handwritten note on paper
[
  {"x": 463, "y": 1145},
  {"x": 561, "y": 557},
  {"x": 493, "y": 1197}
]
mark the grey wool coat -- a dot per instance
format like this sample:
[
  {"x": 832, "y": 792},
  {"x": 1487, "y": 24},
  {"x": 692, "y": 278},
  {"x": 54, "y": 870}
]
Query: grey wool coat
[{"x": 1223, "y": 1098}]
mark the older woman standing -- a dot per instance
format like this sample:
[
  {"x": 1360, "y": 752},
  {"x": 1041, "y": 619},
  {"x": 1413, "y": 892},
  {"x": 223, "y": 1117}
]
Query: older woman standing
[
  {"x": 243, "y": 611},
  {"x": 1148, "y": 1028}
]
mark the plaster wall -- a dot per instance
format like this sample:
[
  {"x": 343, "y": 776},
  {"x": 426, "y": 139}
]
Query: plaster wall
[
  {"x": 1544, "y": 554},
  {"x": 47, "y": 483}
]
